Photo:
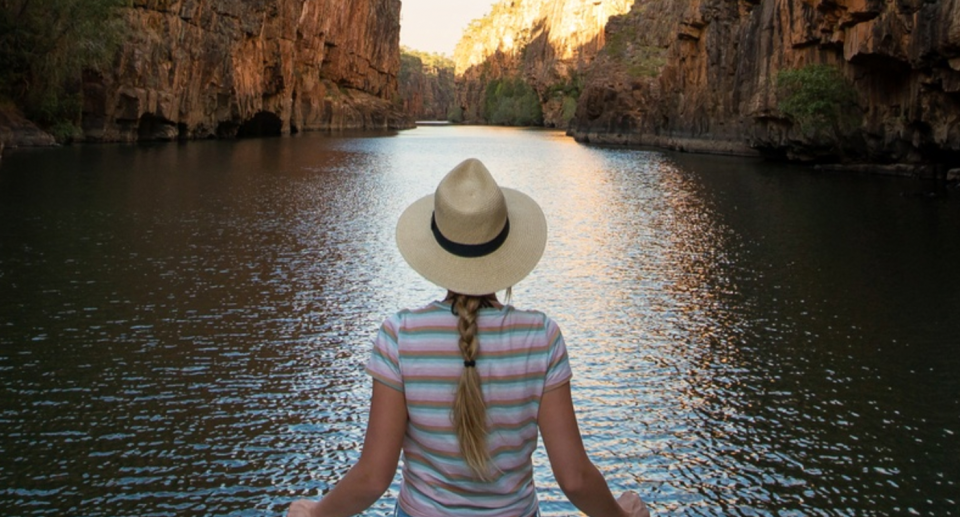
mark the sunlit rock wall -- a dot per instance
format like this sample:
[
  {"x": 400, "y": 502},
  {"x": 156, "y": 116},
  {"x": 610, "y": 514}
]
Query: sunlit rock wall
[
  {"x": 548, "y": 43},
  {"x": 223, "y": 68},
  {"x": 700, "y": 75}
]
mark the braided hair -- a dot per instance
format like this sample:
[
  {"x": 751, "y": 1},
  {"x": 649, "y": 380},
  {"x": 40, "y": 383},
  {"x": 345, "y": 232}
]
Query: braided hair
[{"x": 469, "y": 408}]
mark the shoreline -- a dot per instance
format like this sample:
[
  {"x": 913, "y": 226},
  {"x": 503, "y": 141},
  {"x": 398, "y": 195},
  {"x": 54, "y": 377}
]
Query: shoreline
[
  {"x": 720, "y": 147},
  {"x": 17, "y": 132}
]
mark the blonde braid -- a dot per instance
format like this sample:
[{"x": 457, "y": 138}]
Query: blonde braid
[{"x": 469, "y": 409}]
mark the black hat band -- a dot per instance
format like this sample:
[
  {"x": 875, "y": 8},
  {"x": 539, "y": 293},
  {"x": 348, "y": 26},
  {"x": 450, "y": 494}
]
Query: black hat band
[{"x": 470, "y": 250}]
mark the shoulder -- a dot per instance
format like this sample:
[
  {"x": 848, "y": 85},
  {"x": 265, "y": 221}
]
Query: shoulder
[
  {"x": 531, "y": 315},
  {"x": 433, "y": 313},
  {"x": 531, "y": 320}
]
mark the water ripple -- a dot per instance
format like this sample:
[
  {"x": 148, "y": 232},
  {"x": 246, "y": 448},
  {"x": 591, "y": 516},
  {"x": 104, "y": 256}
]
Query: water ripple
[{"x": 177, "y": 338}]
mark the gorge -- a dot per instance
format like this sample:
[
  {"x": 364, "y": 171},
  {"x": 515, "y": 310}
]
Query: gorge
[
  {"x": 696, "y": 75},
  {"x": 426, "y": 83},
  {"x": 546, "y": 44},
  {"x": 702, "y": 75}
]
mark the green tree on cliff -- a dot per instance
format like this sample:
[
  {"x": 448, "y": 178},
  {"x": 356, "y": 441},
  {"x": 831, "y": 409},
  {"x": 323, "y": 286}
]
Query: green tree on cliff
[
  {"x": 567, "y": 92},
  {"x": 512, "y": 102},
  {"x": 818, "y": 98},
  {"x": 45, "y": 46}
]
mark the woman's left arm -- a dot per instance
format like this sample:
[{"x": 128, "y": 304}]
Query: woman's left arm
[{"x": 375, "y": 469}]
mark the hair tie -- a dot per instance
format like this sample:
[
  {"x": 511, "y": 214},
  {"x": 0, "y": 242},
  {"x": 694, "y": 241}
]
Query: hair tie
[{"x": 469, "y": 364}]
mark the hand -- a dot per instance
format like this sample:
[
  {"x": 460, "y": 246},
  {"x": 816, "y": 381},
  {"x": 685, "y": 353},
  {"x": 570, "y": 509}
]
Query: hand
[
  {"x": 302, "y": 508},
  {"x": 633, "y": 505}
]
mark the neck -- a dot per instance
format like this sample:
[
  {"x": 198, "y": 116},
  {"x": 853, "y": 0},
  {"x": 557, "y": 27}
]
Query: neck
[{"x": 486, "y": 300}]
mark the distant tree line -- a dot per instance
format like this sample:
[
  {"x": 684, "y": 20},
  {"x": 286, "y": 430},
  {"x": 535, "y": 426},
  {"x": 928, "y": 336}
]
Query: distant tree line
[
  {"x": 45, "y": 46},
  {"x": 427, "y": 59}
]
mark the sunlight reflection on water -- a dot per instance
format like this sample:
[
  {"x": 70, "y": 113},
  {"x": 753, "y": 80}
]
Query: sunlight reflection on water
[{"x": 186, "y": 324}]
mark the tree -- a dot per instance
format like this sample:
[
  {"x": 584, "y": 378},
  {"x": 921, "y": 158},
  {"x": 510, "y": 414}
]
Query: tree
[
  {"x": 817, "y": 98},
  {"x": 512, "y": 102},
  {"x": 45, "y": 45}
]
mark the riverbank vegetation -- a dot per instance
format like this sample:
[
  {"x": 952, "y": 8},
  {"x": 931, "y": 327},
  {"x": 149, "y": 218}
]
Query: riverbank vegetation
[
  {"x": 512, "y": 102},
  {"x": 567, "y": 92},
  {"x": 45, "y": 47},
  {"x": 820, "y": 101}
]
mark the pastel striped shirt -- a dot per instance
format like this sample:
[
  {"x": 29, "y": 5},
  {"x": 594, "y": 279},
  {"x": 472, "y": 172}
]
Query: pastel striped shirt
[{"x": 521, "y": 355}]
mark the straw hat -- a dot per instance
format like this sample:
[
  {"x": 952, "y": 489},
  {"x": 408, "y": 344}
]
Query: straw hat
[{"x": 472, "y": 236}]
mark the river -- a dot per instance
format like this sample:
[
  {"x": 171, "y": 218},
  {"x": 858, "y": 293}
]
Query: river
[{"x": 183, "y": 326}]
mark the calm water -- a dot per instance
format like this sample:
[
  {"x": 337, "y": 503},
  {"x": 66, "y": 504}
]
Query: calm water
[{"x": 183, "y": 327}]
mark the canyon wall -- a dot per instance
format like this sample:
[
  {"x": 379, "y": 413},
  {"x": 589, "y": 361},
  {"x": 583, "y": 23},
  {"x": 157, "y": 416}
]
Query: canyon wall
[
  {"x": 701, "y": 75},
  {"x": 426, "y": 85},
  {"x": 224, "y": 68},
  {"x": 547, "y": 44}
]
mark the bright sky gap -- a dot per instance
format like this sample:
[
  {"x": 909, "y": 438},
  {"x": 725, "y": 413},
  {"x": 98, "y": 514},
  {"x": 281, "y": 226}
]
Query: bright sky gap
[{"x": 436, "y": 25}]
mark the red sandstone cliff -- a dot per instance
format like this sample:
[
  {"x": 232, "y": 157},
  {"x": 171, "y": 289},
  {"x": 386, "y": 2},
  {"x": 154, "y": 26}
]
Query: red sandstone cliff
[
  {"x": 221, "y": 68},
  {"x": 546, "y": 43},
  {"x": 701, "y": 76},
  {"x": 426, "y": 85}
]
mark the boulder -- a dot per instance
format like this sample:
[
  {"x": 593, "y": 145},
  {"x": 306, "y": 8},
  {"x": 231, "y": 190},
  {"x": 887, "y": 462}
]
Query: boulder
[{"x": 17, "y": 131}]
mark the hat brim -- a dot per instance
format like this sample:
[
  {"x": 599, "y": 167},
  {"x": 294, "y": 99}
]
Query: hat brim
[{"x": 503, "y": 268}]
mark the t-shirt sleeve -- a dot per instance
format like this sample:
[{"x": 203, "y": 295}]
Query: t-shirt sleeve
[
  {"x": 558, "y": 367},
  {"x": 384, "y": 363}
]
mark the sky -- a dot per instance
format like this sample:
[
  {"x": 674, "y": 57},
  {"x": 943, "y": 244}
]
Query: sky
[{"x": 436, "y": 25}]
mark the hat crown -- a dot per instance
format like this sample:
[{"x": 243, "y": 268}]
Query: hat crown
[
  {"x": 469, "y": 207},
  {"x": 460, "y": 237}
]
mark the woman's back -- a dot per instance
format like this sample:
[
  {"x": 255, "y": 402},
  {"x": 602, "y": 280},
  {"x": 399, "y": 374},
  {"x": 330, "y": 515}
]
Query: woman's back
[
  {"x": 461, "y": 389},
  {"x": 522, "y": 354}
]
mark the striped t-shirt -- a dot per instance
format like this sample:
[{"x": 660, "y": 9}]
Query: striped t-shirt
[{"x": 521, "y": 355}]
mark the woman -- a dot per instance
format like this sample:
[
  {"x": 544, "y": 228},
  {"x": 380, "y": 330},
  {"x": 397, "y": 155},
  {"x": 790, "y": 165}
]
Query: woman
[{"x": 462, "y": 386}]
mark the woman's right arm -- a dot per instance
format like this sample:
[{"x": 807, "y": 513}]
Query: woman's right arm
[{"x": 575, "y": 473}]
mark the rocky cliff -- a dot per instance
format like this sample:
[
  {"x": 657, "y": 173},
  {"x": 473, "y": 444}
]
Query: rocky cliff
[
  {"x": 223, "y": 68},
  {"x": 426, "y": 85},
  {"x": 546, "y": 44},
  {"x": 701, "y": 75}
]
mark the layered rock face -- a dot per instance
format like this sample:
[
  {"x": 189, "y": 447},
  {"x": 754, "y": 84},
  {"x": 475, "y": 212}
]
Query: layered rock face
[
  {"x": 426, "y": 85},
  {"x": 223, "y": 68},
  {"x": 702, "y": 76},
  {"x": 546, "y": 43}
]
